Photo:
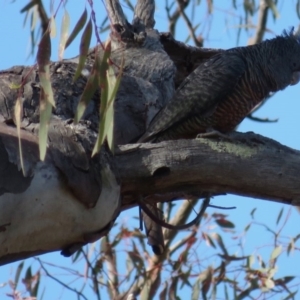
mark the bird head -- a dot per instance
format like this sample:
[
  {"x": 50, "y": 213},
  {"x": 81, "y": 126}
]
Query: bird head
[
  {"x": 283, "y": 60},
  {"x": 292, "y": 40}
]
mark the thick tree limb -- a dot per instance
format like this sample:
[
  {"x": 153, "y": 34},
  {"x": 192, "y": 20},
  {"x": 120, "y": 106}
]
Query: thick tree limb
[
  {"x": 249, "y": 165},
  {"x": 62, "y": 203}
]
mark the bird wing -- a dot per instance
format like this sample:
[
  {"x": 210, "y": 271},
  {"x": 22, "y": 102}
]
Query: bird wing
[{"x": 199, "y": 92}]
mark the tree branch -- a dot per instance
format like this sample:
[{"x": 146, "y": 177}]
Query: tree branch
[
  {"x": 249, "y": 165},
  {"x": 144, "y": 11},
  {"x": 261, "y": 23}
]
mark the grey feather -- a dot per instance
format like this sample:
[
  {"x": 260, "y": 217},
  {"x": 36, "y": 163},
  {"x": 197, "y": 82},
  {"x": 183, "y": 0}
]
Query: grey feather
[{"x": 221, "y": 92}]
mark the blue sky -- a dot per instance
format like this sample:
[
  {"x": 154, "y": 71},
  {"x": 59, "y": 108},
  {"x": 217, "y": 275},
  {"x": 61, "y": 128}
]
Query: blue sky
[{"x": 285, "y": 105}]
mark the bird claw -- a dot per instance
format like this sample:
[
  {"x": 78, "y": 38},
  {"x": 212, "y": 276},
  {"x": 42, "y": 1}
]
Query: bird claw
[{"x": 213, "y": 134}]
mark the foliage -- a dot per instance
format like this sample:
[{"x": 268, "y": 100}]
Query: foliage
[
  {"x": 207, "y": 262},
  {"x": 102, "y": 76}
]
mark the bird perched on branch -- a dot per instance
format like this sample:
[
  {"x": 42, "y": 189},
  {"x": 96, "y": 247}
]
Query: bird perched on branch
[{"x": 221, "y": 92}]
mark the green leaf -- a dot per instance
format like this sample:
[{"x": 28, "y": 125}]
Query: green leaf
[
  {"x": 45, "y": 115},
  {"x": 35, "y": 289},
  {"x": 46, "y": 94},
  {"x": 291, "y": 246},
  {"x": 219, "y": 240},
  {"x": 252, "y": 212},
  {"x": 286, "y": 279},
  {"x": 28, "y": 6},
  {"x": 226, "y": 292},
  {"x": 52, "y": 27},
  {"x": 145, "y": 293},
  {"x": 129, "y": 264},
  {"x": 276, "y": 252},
  {"x": 103, "y": 245},
  {"x": 28, "y": 278},
  {"x": 206, "y": 279},
  {"x": 279, "y": 216},
  {"x": 209, "y": 240},
  {"x": 185, "y": 277},
  {"x": 44, "y": 51},
  {"x": 34, "y": 19},
  {"x": 89, "y": 90},
  {"x": 296, "y": 237},
  {"x": 224, "y": 223},
  {"x": 104, "y": 64},
  {"x": 84, "y": 48},
  {"x": 106, "y": 106},
  {"x": 173, "y": 287},
  {"x": 64, "y": 30},
  {"x": 247, "y": 227},
  {"x": 268, "y": 284},
  {"x": 114, "y": 84},
  {"x": 271, "y": 272},
  {"x": 78, "y": 27},
  {"x": 45, "y": 82},
  {"x": 234, "y": 4},
  {"x": 113, "y": 87},
  {"x": 196, "y": 289},
  {"x": 18, "y": 273},
  {"x": 250, "y": 261},
  {"x": 136, "y": 260},
  {"x": 18, "y": 117},
  {"x": 273, "y": 8},
  {"x": 76, "y": 255},
  {"x": 298, "y": 8}
]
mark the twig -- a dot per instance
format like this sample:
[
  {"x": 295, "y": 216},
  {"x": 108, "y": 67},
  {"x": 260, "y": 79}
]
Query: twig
[
  {"x": 181, "y": 7},
  {"x": 94, "y": 275},
  {"x": 60, "y": 282},
  {"x": 174, "y": 18},
  {"x": 175, "y": 227},
  {"x": 261, "y": 23},
  {"x": 112, "y": 270},
  {"x": 222, "y": 207},
  {"x": 181, "y": 242}
]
